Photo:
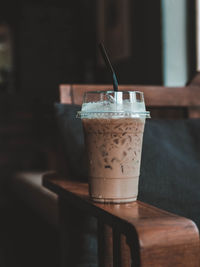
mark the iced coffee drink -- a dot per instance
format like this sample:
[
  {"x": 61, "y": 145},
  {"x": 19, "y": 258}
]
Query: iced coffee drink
[{"x": 113, "y": 128}]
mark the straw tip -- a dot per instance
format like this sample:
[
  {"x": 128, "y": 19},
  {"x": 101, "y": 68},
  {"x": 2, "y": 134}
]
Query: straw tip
[{"x": 109, "y": 65}]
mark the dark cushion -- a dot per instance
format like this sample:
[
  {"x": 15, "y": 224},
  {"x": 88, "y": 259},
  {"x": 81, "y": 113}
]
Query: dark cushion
[
  {"x": 72, "y": 139},
  {"x": 170, "y": 168}
]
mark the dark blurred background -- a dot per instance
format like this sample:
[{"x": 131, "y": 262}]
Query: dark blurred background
[
  {"x": 55, "y": 42},
  {"x": 46, "y": 43}
]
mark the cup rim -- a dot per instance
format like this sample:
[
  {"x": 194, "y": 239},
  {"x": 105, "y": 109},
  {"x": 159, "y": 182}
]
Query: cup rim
[
  {"x": 112, "y": 114},
  {"x": 110, "y": 91}
]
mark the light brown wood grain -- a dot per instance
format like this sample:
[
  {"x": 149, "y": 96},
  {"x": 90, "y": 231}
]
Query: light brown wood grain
[
  {"x": 125, "y": 252},
  {"x": 65, "y": 93},
  {"x": 156, "y": 238},
  {"x": 155, "y": 96}
]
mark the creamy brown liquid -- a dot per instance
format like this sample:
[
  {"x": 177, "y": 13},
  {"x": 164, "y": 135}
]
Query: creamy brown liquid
[{"x": 114, "y": 153}]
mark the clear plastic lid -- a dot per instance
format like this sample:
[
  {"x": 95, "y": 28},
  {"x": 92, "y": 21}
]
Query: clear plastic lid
[{"x": 107, "y": 104}]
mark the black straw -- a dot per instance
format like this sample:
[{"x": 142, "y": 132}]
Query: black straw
[{"x": 109, "y": 65}]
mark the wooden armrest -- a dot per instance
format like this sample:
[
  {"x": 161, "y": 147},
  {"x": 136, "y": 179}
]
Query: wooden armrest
[{"x": 156, "y": 238}]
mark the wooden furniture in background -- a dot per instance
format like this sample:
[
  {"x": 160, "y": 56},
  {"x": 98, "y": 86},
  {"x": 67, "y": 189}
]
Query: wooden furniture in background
[{"x": 163, "y": 102}]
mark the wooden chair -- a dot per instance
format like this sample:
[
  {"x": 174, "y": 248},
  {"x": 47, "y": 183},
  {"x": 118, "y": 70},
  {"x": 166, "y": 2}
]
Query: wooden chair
[
  {"x": 134, "y": 234},
  {"x": 163, "y": 102}
]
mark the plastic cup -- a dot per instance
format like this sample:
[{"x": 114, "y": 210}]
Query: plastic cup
[{"x": 113, "y": 124}]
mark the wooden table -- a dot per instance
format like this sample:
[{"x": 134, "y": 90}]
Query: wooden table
[{"x": 134, "y": 234}]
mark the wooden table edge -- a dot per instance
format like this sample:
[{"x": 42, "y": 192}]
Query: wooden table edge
[{"x": 165, "y": 230}]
